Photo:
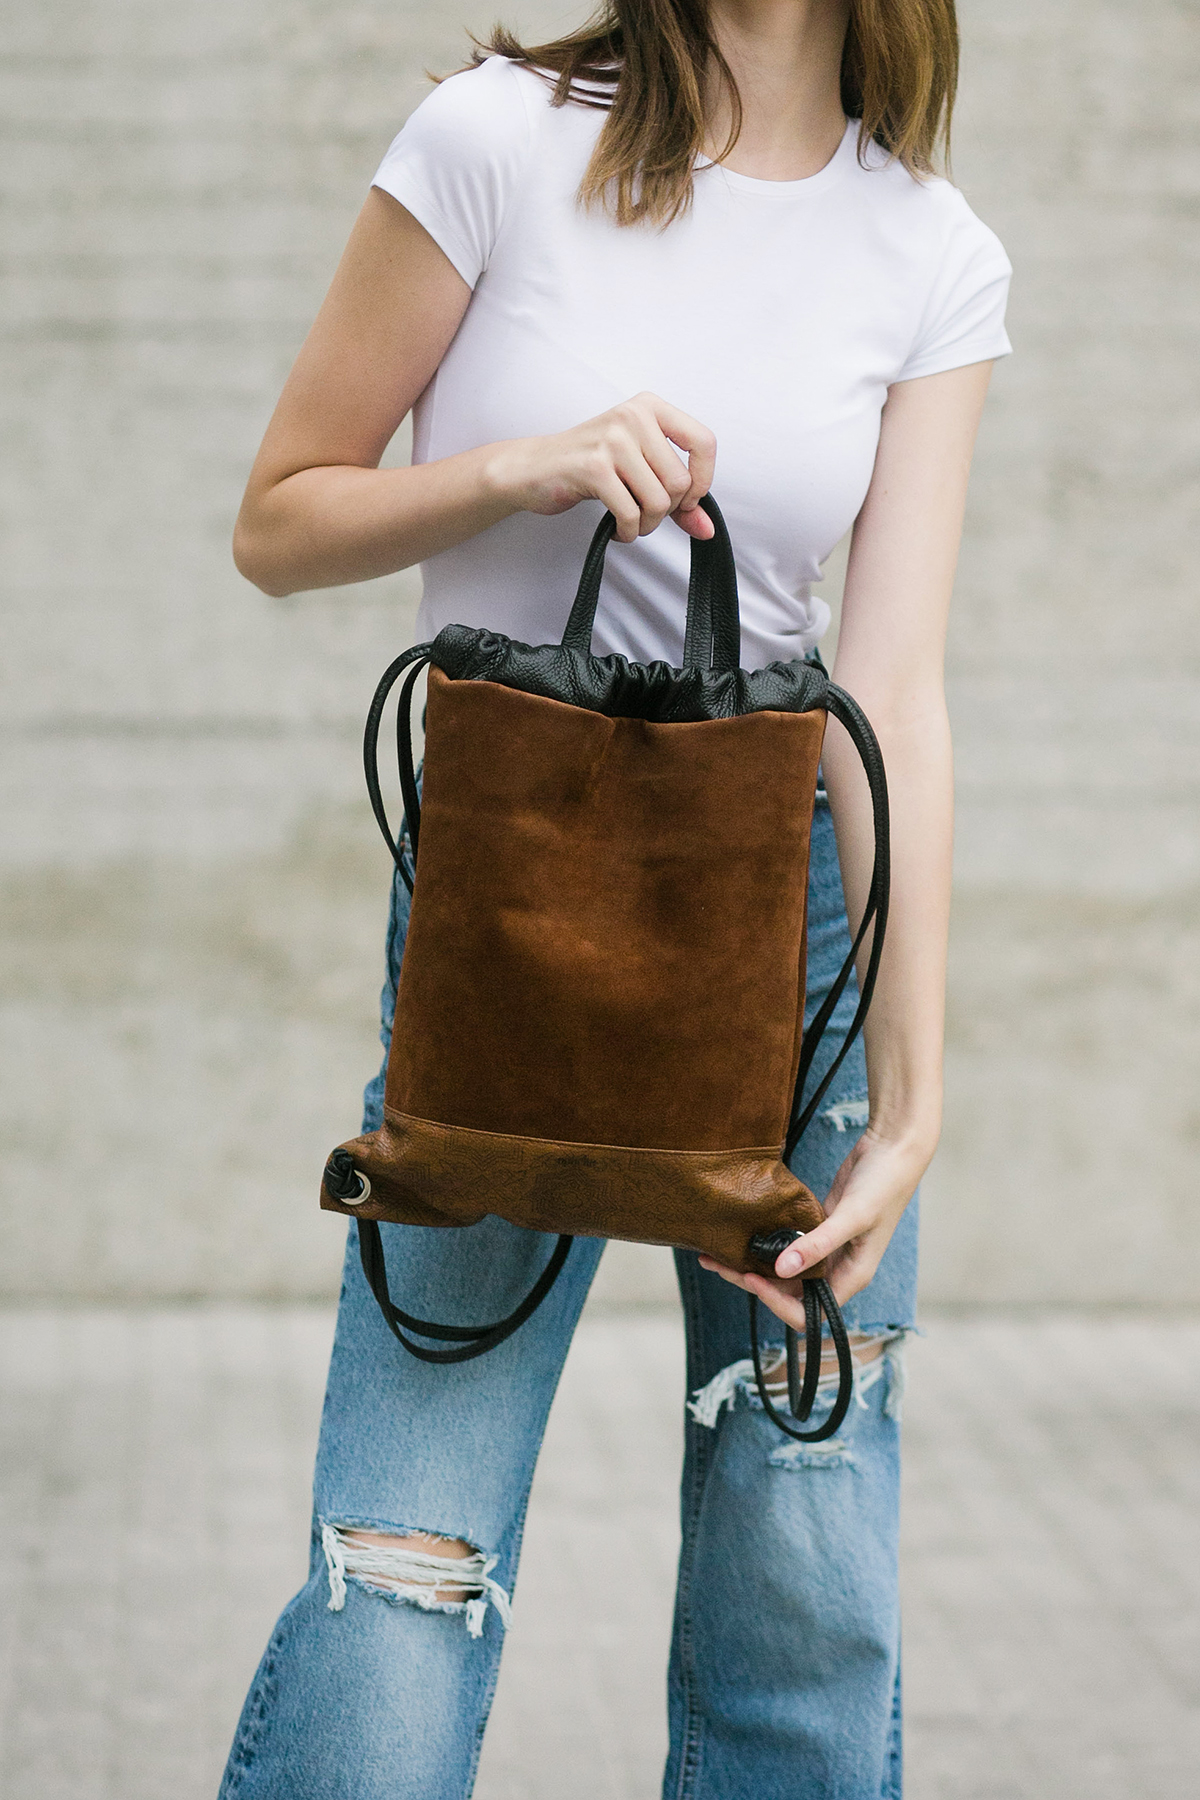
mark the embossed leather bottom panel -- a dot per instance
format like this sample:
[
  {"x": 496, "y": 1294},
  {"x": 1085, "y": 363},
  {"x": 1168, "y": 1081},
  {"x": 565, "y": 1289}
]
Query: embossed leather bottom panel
[{"x": 714, "y": 1201}]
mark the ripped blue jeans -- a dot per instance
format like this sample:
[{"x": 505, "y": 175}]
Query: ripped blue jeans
[{"x": 784, "y": 1675}]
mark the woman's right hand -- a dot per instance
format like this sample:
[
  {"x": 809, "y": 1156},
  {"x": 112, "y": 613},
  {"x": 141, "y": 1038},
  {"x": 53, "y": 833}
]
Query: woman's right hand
[
  {"x": 320, "y": 511},
  {"x": 628, "y": 457}
]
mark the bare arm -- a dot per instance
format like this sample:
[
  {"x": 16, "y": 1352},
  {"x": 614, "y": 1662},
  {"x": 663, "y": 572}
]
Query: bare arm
[
  {"x": 319, "y": 510},
  {"x": 890, "y": 657}
]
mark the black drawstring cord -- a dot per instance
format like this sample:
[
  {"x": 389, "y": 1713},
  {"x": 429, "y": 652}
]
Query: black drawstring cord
[
  {"x": 801, "y": 1396},
  {"x": 474, "y": 1340},
  {"x": 850, "y": 714},
  {"x": 419, "y": 654},
  {"x": 404, "y": 759},
  {"x": 818, "y": 1295}
]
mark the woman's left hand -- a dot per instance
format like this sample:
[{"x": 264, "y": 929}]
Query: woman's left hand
[{"x": 869, "y": 1193}]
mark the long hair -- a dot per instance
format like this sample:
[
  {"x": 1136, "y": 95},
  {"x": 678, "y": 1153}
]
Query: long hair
[{"x": 647, "y": 63}]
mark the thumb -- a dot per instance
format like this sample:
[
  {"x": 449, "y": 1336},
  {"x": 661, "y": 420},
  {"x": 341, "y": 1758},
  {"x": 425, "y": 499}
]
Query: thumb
[{"x": 695, "y": 521}]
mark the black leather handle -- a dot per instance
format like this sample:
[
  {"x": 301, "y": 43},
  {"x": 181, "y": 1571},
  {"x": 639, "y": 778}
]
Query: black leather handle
[{"x": 713, "y": 635}]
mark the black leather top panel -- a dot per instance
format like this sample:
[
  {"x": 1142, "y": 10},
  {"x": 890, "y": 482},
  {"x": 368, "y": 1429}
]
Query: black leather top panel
[{"x": 623, "y": 690}]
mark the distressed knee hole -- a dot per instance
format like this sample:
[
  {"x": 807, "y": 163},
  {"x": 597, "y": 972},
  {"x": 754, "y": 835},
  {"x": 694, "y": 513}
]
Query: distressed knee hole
[
  {"x": 420, "y": 1568},
  {"x": 419, "y": 1553},
  {"x": 878, "y": 1356},
  {"x": 865, "y": 1348}
]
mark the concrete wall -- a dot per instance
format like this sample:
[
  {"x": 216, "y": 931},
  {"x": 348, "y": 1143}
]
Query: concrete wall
[
  {"x": 193, "y": 895},
  {"x": 1068, "y": 1168}
]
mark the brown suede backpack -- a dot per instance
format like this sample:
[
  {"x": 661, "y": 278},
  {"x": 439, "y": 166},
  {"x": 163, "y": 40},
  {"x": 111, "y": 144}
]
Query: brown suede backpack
[{"x": 600, "y": 1021}]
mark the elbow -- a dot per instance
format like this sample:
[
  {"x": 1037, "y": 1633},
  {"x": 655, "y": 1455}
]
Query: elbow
[
  {"x": 898, "y": 702},
  {"x": 252, "y": 559}
]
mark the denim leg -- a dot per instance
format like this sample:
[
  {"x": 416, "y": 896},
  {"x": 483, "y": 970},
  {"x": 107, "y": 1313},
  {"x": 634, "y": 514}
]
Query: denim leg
[
  {"x": 784, "y": 1673},
  {"x": 382, "y": 1699},
  {"x": 785, "y": 1660}
]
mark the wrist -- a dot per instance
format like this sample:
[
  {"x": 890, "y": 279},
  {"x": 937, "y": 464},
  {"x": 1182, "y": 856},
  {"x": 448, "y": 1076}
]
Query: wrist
[
  {"x": 910, "y": 1136},
  {"x": 504, "y": 476}
]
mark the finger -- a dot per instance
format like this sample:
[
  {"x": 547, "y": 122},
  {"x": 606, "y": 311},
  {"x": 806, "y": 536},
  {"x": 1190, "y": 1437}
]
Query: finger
[
  {"x": 611, "y": 490},
  {"x": 730, "y": 1275},
  {"x": 695, "y": 522},
  {"x": 654, "y": 500},
  {"x": 852, "y": 1271},
  {"x": 785, "y": 1306},
  {"x": 849, "y": 1221},
  {"x": 667, "y": 464},
  {"x": 789, "y": 1262},
  {"x": 676, "y": 477},
  {"x": 694, "y": 438}
]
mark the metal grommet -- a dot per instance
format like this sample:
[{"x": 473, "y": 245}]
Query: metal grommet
[{"x": 343, "y": 1182}]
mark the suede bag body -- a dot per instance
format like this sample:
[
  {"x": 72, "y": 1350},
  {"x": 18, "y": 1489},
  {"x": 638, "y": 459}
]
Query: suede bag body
[{"x": 601, "y": 1002}]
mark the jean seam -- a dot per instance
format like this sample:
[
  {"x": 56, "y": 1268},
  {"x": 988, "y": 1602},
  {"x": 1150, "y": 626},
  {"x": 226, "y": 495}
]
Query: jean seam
[
  {"x": 252, "y": 1726},
  {"x": 485, "y": 1713},
  {"x": 894, "y": 1769},
  {"x": 692, "y": 1730},
  {"x": 489, "y": 1695}
]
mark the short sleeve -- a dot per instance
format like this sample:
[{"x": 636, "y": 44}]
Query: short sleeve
[
  {"x": 455, "y": 163},
  {"x": 963, "y": 320}
]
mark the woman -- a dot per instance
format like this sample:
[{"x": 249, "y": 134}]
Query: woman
[{"x": 691, "y": 239}]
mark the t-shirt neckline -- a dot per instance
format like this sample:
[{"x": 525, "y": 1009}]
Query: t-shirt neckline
[{"x": 846, "y": 151}]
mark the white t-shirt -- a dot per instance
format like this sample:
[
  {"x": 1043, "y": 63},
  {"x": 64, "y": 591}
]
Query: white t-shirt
[{"x": 777, "y": 313}]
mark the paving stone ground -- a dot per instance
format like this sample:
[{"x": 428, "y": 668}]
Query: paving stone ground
[{"x": 153, "y": 1506}]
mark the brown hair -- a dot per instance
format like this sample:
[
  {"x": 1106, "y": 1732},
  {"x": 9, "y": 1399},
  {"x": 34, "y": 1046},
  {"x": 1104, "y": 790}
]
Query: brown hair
[{"x": 645, "y": 62}]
